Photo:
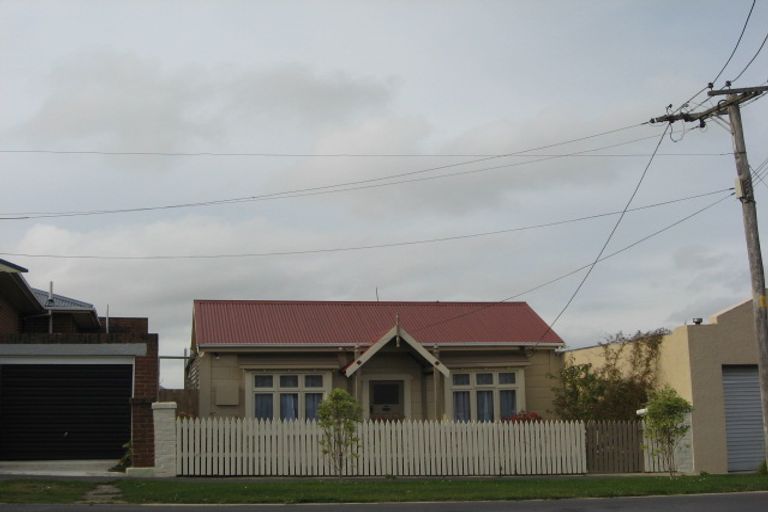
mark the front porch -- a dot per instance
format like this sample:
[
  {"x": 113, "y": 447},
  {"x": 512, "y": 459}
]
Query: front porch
[{"x": 397, "y": 378}]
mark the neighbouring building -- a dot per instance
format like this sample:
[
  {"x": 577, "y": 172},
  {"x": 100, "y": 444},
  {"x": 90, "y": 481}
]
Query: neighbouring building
[
  {"x": 714, "y": 366},
  {"x": 73, "y": 385},
  {"x": 419, "y": 360}
]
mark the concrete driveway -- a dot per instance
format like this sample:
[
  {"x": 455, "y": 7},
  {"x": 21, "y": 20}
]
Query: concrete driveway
[{"x": 56, "y": 468}]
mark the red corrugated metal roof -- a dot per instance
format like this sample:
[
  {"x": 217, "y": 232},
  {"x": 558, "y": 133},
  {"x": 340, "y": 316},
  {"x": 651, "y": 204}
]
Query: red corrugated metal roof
[{"x": 256, "y": 322}]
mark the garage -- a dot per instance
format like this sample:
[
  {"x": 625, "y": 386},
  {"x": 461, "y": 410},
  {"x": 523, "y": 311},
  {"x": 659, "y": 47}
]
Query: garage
[
  {"x": 743, "y": 417},
  {"x": 64, "y": 411}
]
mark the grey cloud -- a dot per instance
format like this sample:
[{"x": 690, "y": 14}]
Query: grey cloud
[
  {"x": 295, "y": 91},
  {"x": 119, "y": 102},
  {"x": 704, "y": 307}
]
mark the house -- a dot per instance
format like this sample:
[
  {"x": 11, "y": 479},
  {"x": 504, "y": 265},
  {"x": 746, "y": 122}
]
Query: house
[
  {"x": 480, "y": 361},
  {"x": 73, "y": 385},
  {"x": 714, "y": 366}
]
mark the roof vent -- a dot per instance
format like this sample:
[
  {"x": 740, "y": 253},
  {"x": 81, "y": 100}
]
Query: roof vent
[
  {"x": 49, "y": 303},
  {"x": 697, "y": 321}
]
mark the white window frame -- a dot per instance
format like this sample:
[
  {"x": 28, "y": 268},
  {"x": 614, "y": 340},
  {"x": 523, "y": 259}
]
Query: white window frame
[
  {"x": 518, "y": 387},
  {"x": 275, "y": 390}
]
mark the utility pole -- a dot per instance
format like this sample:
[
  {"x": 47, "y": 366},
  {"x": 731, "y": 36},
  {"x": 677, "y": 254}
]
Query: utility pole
[{"x": 745, "y": 194}]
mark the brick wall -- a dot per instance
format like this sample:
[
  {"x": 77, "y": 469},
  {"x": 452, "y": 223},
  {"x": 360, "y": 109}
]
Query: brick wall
[
  {"x": 62, "y": 323},
  {"x": 125, "y": 324},
  {"x": 186, "y": 401},
  {"x": 9, "y": 317},
  {"x": 146, "y": 384}
]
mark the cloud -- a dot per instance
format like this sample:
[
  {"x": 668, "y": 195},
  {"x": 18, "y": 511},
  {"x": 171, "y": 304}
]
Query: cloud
[{"x": 116, "y": 101}]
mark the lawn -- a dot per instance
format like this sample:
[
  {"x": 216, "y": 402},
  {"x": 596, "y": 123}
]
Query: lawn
[
  {"x": 329, "y": 491},
  {"x": 308, "y": 490},
  {"x": 43, "y": 491}
]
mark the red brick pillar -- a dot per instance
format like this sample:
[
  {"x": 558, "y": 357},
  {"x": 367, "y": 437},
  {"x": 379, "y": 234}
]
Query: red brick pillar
[{"x": 145, "y": 391}]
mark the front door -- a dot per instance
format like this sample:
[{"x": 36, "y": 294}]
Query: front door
[{"x": 386, "y": 400}]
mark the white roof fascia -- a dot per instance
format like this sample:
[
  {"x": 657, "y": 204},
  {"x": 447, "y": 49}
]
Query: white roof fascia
[
  {"x": 410, "y": 340},
  {"x": 287, "y": 346},
  {"x": 442, "y": 345}
]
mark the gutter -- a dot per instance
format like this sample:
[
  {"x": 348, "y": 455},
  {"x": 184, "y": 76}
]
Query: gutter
[{"x": 332, "y": 346}]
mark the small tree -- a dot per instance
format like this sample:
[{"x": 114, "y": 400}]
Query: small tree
[
  {"x": 615, "y": 389},
  {"x": 579, "y": 392},
  {"x": 665, "y": 423},
  {"x": 338, "y": 416}
]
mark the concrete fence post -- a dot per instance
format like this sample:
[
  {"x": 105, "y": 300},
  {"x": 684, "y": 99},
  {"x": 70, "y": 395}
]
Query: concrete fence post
[{"x": 165, "y": 438}]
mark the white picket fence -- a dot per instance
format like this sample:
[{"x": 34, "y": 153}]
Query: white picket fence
[{"x": 250, "y": 447}]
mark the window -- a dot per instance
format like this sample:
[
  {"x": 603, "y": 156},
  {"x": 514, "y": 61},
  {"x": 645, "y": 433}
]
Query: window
[
  {"x": 485, "y": 406},
  {"x": 461, "y": 411},
  {"x": 484, "y": 379},
  {"x": 312, "y": 402},
  {"x": 461, "y": 379},
  {"x": 506, "y": 378},
  {"x": 485, "y": 395},
  {"x": 287, "y": 396},
  {"x": 507, "y": 403},
  {"x": 263, "y": 410}
]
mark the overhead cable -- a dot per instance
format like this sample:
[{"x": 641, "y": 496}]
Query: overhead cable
[
  {"x": 376, "y": 182},
  {"x": 365, "y": 247},
  {"x": 610, "y": 236},
  {"x": 579, "y": 269}
]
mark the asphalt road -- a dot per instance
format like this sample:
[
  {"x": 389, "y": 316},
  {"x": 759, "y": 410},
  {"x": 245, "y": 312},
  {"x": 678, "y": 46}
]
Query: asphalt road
[{"x": 743, "y": 502}]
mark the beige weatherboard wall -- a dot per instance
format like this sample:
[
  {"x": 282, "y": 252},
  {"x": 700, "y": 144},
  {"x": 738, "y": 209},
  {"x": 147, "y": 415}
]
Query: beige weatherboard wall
[
  {"x": 225, "y": 376},
  {"x": 691, "y": 360}
]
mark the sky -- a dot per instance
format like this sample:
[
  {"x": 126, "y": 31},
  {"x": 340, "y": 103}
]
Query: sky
[{"x": 352, "y": 124}]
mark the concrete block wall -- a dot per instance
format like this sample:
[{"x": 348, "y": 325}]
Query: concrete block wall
[{"x": 164, "y": 414}]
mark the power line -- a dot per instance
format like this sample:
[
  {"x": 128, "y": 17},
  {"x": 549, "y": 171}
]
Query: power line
[
  {"x": 371, "y": 246},
  {"x": 752, "y": 59},
  {"x": 610, "y": 235},
  {"x": 579, "y": 269},
  {"x": 738, "y": 42},
  {"x": 741, "y": 34},
  {"x": 760, "y": 171},
  {"x": 331, "y": 155},
  {"x": 310, "y": 191},
  {"x": 308, "y": 155}
]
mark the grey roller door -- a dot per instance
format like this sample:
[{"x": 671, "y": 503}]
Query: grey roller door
[{"x": 743, "y": 417}]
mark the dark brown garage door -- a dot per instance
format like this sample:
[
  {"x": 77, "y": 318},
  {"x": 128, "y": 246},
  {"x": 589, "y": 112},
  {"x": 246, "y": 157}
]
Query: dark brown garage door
[{"x": 50, "y": 412}]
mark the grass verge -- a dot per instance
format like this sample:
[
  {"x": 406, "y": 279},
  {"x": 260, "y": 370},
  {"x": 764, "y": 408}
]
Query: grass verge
[
  {"x": 43, "y": 491},
  {"x": 339, "y": 491}
]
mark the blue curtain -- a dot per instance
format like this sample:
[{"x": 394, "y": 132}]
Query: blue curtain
[
  {"x": 485, "y": 406},
  {"x": 289, "y": 406},
  {"x": 507, "y": 404},
  {"x": 311, "y": 403},
  {"x": 461, "y": 406},
  {"x": 264, "y": 406}
]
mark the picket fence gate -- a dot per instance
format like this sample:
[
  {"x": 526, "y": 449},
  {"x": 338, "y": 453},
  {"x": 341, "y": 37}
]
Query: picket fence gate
[
  {"x": 250, "y": 447},
  {"x": 615, "y": 447}
]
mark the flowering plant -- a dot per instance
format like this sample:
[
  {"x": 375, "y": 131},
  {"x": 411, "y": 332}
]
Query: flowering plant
[{"x": 523, "y": 417}]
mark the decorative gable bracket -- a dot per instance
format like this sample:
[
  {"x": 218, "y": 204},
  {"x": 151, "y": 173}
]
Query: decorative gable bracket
[{"x": 400, "y": 333}]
